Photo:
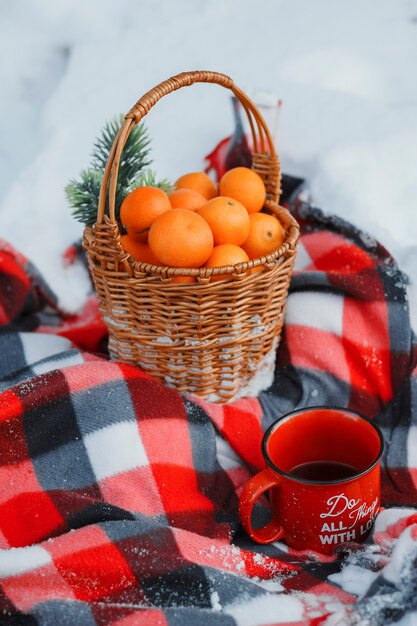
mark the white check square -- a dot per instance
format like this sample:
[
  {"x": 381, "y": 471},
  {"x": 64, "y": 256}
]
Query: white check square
[
  {"x": 302, "y": 258},
  {"x": 412, "y": 447},
  {"x": 115, "y": 449},
  {"x": 38, "y": 346},
  {"x": 21, "y": 560},
  {"x": 316, "y": 309}
]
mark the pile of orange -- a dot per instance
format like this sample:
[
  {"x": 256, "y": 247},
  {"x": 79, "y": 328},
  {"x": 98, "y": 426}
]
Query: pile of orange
[{"x": 200, "y": 224}]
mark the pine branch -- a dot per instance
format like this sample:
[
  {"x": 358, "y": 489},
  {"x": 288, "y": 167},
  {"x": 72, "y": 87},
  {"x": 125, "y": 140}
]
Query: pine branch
[
  {"x": 135, "y": 156},
  {"x": 83, "y": 195},
  {"x": 103, "y": 144},
  {"x": 148, "y": 179}
]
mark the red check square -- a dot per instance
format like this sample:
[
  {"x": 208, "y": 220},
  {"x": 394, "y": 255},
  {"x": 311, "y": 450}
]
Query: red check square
[
  {"x": 370, "y": 370},
  {"x": 334, "y": 254},
  {"x": 150, "y": 617},
  {"x": 318, "y": 350},
  {"x": 242, "y": 426},
  {"x": 165, "y": 440},
  {"x": 37, "y": 586},
  {"x": 81, "y": 539},
  {"x": 95, "y": 572},
  {"x": 17, "y": 479},
  {"x": 11, "y": 429},
  {"x": 86, "y": 376},
  {"x": 366, "y": 323},
  {"x": 179, "y": 490},
  {"x": 29, "y": 518},
  {"x": 135, "y": 490},
  {"x": 10, "y": 405}
]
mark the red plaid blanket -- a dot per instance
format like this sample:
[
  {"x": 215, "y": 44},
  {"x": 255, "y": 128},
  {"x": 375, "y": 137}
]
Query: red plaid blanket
[{"x": 118, "y": 496}]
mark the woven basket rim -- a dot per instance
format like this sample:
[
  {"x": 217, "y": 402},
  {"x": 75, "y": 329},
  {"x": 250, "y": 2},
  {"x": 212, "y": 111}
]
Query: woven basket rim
[{"x": 238, "y": 270}]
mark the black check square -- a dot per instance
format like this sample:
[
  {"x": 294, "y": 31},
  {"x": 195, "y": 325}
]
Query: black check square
[
  {"x": 64, "y": 468},
  {"x": 103, "y": 405},
  {"x": 50, "y": 425},
  {"x": 12, "y": 355}
]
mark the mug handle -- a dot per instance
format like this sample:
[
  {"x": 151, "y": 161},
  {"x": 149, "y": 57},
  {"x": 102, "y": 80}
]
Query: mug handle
[{"x": 253, "y": 489}]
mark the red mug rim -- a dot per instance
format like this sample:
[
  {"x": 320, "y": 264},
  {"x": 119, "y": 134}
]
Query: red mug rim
[{"x": 288, "y": 416}]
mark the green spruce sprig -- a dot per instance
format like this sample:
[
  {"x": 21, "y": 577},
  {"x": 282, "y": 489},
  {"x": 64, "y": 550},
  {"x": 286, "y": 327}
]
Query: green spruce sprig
[
  {"x": 83, "y": 193},
  {"x": 148, "y": 178}
]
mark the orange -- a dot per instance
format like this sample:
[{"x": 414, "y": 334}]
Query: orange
[
  {"x": 183, "y": 279},
  {"x": 181, "y": 238},
  {"x": 225, "y": 254},
  {"x": 198, "y": 181},
  {"x": 228, "y": 219},
  {"x": 244, "y": 185},
  {"x": 140, "y": 251},
  {"x": 266, "y": 234},
  {"x": 186, "y": 199},
  {"x": 140, "y": 208}
]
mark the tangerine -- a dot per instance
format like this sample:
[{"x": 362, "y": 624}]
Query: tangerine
[
  {"x": 266, "y": 234},
  {"x": 228, "y": 219},
  {"x": 140, "y": 208},
  {"x": 186, "y": 199},
  {"x": 183, "y": 279},
  {"x": 140, "y": 251},
  {"x": 225, "y": 254},
  {"x": 244, "y": 185},
  {"x": 181, "y": 238},
  {"x": 198, "y": 181}
]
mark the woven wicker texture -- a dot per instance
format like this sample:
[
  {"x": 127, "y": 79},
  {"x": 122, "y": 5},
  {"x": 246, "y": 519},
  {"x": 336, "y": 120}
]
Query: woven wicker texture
[{"x": 207, "y": 338}]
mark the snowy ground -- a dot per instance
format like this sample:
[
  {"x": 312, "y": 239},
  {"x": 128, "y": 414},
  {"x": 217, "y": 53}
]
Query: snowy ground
[{"x": 345, "y": 72}]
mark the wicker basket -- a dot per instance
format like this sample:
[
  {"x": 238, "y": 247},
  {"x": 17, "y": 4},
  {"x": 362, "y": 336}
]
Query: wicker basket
[{"x": 207, "y": 338}]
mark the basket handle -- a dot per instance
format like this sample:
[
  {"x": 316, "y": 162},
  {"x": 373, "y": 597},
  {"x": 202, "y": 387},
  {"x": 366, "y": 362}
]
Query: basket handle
[{"x": 258, "y": 127}]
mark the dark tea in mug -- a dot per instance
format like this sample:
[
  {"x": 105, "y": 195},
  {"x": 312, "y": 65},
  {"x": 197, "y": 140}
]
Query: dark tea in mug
[{"x": 323, "y": 471}]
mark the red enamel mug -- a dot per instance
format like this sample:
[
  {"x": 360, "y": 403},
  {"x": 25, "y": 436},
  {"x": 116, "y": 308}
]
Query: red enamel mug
[{"x": 323, "y": 478}]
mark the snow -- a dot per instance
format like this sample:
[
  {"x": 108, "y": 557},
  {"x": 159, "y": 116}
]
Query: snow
[
  {"x": 391, "y": 516},
  {"x": 215, "y": 601},
  {"x": 342, "y": 69},
  {"x": 381, "y": 575},
  {"x": 408, "y": 620},
  {"x": 354, "y": 579},
  {"x": 265, "y": 609},
  {"x": 403, "y": 557}
]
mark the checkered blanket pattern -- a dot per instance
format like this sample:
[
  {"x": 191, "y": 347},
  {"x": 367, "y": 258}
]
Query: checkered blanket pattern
[{"x": 118, "y": 496}]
